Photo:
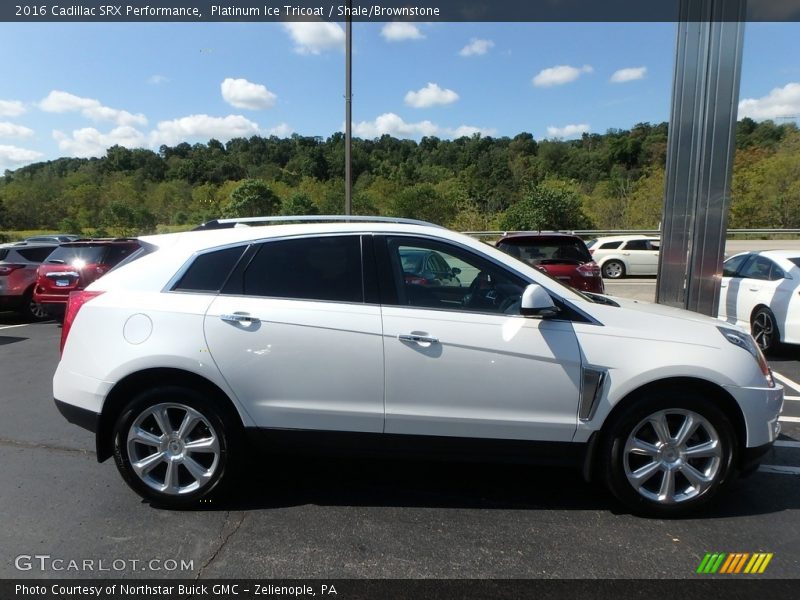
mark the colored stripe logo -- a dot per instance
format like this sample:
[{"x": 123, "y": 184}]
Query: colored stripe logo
[{"x": 734, "y": 563}]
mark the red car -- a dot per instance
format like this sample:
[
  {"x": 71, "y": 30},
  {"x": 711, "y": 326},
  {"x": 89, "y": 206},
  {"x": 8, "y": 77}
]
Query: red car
[
  {"x": 560, "y": 255},
  {"x": 73, "y": 266},
  {"x": 18, "y": 265}
]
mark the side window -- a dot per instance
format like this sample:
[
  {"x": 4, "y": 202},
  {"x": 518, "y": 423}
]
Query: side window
[
  {"x": 209, "y": 271},
  {"x": 467, "y": 281},
  {"x": 731, "y": 266},
  {"x": 610, "y": 246},
  {"x": 776, "y": 273},
  {"x": 758, "y": 268},
  {"x": 637, "y": 245},
  {"x": 656, "y": 246},
  {"x": 314, "y": 268},
  {"x": 36, "y": 255}
]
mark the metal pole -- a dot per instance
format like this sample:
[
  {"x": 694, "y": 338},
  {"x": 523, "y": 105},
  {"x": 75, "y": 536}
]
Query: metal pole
[{"x": 348, "y": 111}]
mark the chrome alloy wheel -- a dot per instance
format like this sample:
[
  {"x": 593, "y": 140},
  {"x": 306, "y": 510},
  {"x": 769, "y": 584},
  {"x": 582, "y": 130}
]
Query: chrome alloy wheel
[
  {"x": 672, "y": 456},
  {"x": 763, "y": 330},
  {"x": 173, "y": 448},
  {"x": 37, "y": 311},
  {"x": 613, "y": 269}
]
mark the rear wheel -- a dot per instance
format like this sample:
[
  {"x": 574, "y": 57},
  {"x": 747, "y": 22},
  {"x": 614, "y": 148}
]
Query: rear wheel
[
  {"x": 173, "y": 446},
  {"x": 33, "y": 311},
  {"x": 613, "y": 269},
  {"x": 765, "y": 330},
  {"x": 669, "y": 454}
]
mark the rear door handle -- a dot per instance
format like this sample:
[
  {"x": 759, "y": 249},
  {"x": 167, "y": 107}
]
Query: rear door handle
[
  {"x": 239, "y": 317},
  {"x": 417, "y": 339},
  {"x": 754, "y": 289}
]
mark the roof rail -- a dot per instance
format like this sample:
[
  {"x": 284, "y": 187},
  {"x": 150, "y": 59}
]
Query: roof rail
[{"x": 246, "y": 221}]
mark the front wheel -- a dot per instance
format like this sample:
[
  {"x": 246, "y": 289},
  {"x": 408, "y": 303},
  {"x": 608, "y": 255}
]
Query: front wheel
[
  {"x": 173, "y": 446},
  {"x": 613, "y": 269},
  {"x": 669, "y": 454}
]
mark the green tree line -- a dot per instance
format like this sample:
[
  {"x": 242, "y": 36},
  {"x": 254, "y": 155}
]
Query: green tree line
[{"x": 611, "y": 180}]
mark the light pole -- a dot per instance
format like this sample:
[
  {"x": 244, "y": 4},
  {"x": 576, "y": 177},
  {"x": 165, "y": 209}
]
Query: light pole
[{"x": 348, "y": 112}]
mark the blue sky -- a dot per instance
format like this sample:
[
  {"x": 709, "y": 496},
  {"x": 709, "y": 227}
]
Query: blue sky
[{"x": 75, "y": 89}]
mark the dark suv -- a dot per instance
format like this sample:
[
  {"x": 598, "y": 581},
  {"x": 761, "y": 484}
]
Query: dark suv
[
  {"x": 73, "y": 266},
  {"x": 560, "y": 255},
  {"x": 18, "y": 264}
]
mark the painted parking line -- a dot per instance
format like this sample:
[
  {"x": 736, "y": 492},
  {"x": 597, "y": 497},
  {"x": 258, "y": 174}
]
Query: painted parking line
[
  {"x": 779, "y": 470},
  {"x": 786, "y": 381},
  {"x": 786, "y": 444},
  {"x": 12, "y": 326},
  {"x": 793, "y": 398},
  {"x": 789, "y": 419}
]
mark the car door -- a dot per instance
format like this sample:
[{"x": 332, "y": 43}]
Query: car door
[
  {"x": 295, "y": 339},
  {"x": 473, "y": 368},
  {"x": 756, "y": 287},
  {"x": 729, "y": 287},
  {"x": 638, "y": 256}
]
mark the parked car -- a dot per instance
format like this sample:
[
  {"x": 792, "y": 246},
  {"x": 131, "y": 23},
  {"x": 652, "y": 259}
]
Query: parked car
[
  {"x": 623, "y": 255},
  {"x": 74, "y": 265},
  {"x": 560, "y": 255},
  {"x": 761, "y": 292},
  {"x": 18, "y": 265},
  {"x": 56, "y": 238},
  {"x": 309, "y": 336}
]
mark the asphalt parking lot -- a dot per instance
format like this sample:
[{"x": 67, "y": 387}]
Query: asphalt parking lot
[{"x": 336, "y": 518}]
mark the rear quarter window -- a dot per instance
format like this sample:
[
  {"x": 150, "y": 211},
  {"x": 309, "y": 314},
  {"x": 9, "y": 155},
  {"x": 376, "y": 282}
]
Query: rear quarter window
[
  {"x": 35, "y": 255},
  {"x": 209, "y": 271}
]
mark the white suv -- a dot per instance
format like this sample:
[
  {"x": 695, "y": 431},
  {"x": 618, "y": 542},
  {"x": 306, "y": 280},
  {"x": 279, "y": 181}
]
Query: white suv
[
  {"x": 623, "y": 255},
  {"x": 318, "y": 334}
]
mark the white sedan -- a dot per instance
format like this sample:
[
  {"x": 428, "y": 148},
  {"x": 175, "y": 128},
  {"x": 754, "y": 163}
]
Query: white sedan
[
  {"x": 622, "y": 255},
  {"x": 760, "y": 291}
]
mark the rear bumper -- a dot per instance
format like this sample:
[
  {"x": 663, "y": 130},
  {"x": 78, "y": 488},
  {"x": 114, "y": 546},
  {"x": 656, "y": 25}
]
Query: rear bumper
[{"x": 76, "y": 415}]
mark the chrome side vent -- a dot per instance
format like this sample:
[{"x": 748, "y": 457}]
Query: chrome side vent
[{"x": 591, "y": 386}]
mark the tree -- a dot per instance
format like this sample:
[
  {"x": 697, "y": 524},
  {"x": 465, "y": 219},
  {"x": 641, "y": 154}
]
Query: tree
[
  {"x": 126, "y": 221},
  {"x": 252, "y": 198},
  {"x": 550, "y": 205},
  {"x": 298, "y": 204},
  {"x": 425, "y": 203}
]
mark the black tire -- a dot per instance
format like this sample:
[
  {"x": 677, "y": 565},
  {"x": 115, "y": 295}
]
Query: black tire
[
  {"x": 765, "y": 330},
  {"x": 33, "y": 311},
  {"x": 215, "y": 423},
  {"x": 619, "y": 464},
  {"x": 613, "y": 269}
]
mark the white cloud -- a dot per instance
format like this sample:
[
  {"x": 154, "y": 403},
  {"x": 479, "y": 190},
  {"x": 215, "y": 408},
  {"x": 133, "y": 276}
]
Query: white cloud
[
  {"x": 392, "y": 124},
  {"x": 629, "y": 74},
  {"x": 89, "y": 141},
  {"x": 246, "y": 94},
  {"x": 281, "y": 130},
  {"x": 476, "y": 47},
  {"x": 568, "y": 131},
  {"x": 202, "y": 127},
  {"x": 61, "y": 102},
  {"x": 399, "y": 31},
  {"x": 11, "y": 130},
  {"x": 559, "y": 75},
  {"x": 780, "y": 102},
  {"x": 11, "y": 108},
  {"x": 314, "y": 37},
  {"x": 157, "y": 79},
  {"x": 14, "y": 156},
  {"x": 430, "y": 95}
]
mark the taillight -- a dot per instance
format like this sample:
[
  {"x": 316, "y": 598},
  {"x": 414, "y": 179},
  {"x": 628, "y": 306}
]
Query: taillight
[
  {"x": 589, "y": 269},
  {"x": 413, "y": 280},
  {"x": 74, "y": 303},
  {"x": 8, "y": 269}
]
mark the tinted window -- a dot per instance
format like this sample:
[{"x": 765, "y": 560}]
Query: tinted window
[
  {"x": 36, "y": 254},
  {"x": 468, "y": 282},
  {"x": 795, "y": 261},
  {"x": 610, "y": 245},
  {"x": 730, "y": 266},
  {"x": 758, "y": 268},
  {"x": 637, "y": 245},
  {"x": 544, "y": 250},
  {"x": 118, "y": 253},
  {"x": 69, "y": 254},
  {"x": 324, "y": 268},
  {"x": 209, "y": 271}
]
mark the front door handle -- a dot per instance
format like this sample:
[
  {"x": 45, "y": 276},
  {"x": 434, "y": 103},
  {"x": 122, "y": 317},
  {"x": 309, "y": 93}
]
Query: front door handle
[
  {"x": 239, "y": 317},
  {"x": 417, "y": 339}
]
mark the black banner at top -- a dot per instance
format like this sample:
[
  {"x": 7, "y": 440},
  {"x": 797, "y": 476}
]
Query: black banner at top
[{"x": 399, "y": 10}]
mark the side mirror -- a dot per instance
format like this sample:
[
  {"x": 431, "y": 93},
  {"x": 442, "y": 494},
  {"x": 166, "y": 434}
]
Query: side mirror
[
  {"x": 536, "y": 302},
  {"x": 455, "y": 271}
]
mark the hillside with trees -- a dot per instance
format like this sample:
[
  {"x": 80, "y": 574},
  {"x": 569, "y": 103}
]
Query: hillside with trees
[{"x": 612, "y": 180}]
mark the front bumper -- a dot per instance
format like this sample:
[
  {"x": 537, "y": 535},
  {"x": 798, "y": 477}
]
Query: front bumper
[{"x": 761, "y": 408}]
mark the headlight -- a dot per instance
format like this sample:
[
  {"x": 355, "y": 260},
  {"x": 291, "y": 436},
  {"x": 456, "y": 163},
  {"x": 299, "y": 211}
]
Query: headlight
[{"x": 746, "y": 342}]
